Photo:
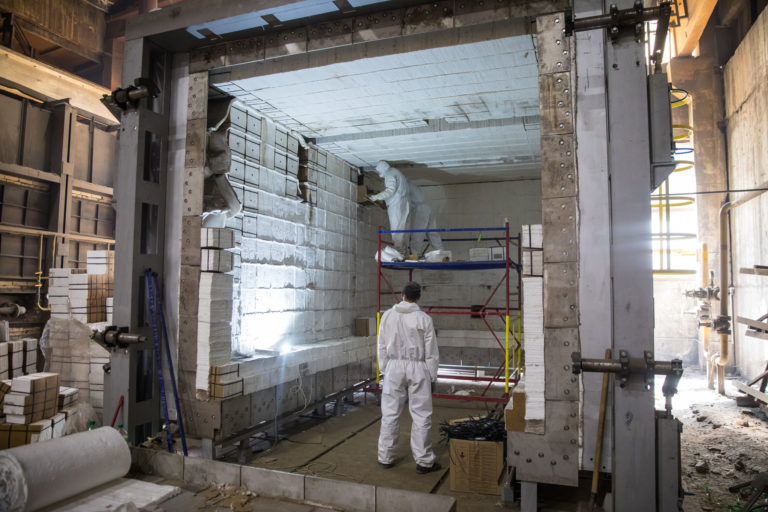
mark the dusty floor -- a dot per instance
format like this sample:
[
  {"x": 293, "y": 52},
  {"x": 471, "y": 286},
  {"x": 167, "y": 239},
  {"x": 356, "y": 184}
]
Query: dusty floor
[{"x": 722, "y": 444}]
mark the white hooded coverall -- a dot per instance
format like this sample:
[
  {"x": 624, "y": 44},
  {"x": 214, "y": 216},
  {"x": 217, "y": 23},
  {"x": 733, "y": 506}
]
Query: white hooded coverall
[
  {"x": 407, "y": 209},
  {"x": 408, "y": 357}
]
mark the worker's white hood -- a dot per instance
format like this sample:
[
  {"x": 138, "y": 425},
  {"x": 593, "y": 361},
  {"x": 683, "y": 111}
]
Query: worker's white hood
[{"x": 407, "y": 307}]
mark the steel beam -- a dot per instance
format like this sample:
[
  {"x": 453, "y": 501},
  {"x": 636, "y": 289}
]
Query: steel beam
[{"x": 634, "y": 460}]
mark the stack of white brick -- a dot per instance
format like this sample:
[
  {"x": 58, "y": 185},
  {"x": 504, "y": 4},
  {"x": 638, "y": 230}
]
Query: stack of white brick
[
  {"x": 533, "y": 342},
  {"x": 110, "y": 309},
  {"x": 533, "y": 256},
  {"x": 78, "y": 296},
  {"x": 58, "y": 292},
  {"x": 214, "y": 331}
]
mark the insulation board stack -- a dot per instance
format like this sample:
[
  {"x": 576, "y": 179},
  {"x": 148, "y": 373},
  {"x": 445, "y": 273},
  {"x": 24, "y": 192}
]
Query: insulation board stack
[
  {"x": 32, "y": 398},
  {"x": 533, "y": 256},
  {"x": 12, "y": 358},
  {"x": 30, "y": 355},
  {"x": 12, "y": 435},
  {"x": 214, "y": 315},
  {"x": 78, "y": 296},
  {"x": 67, "y": 397},
  {"x": 5, "y": 388},
  {"x": 100, "y": 267},
  {"x": 533, "y": 343},
  {"x": 58, "y": 292}
]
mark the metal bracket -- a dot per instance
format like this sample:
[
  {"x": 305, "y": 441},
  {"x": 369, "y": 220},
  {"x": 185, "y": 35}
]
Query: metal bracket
[
  {"x": 722, "y": 324},
  {"x": 626, "y": 366},
  {"x": 122, "y": 99},
  {"x": 634, "y": 17},
  {"x": 114, "y": 336}
]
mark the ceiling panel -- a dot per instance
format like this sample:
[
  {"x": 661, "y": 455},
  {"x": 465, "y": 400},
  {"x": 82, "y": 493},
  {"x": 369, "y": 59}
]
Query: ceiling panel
[{"x": 454, "y": 114}]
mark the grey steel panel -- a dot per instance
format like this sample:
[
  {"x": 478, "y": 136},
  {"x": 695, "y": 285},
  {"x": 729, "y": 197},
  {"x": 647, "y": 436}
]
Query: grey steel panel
[
  {"x": 634, "y": 464},
  {"x": 553, "y": 45},
  {"x": 555, "y": 102},
  {"x": 561, "y": 295},
  {"x": 594, "y": 218},
  {"x": 560, "y": 382},
  {"x": 80, "y": 149},
  {"x": 558, "y": 176},
  {"x": 551, "y": 458},
  {"x": 660, "y": 115},
  {"x": 560, "y": 229},
  {"x": 668, "y": 464}
]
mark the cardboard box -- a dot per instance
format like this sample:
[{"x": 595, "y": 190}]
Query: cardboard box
[
  {"x": 476, "y": 466},
  {"x": 514, "y": 412},
  {"x": 18, "y": 435}
]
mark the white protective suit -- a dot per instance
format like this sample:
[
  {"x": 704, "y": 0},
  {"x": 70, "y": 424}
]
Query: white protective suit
[
  {"x": 408, "y": 357},
  {"x": 407, "y": 209}
]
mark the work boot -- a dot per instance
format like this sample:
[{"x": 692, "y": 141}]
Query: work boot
[
  {"x": 422, "y": 470},
  {"x": 388, "y": 465}
]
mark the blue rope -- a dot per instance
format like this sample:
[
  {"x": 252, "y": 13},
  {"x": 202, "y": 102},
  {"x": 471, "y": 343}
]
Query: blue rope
[
  {"x": 156, "y": 341},
  {"x": 170, "y": 364}
]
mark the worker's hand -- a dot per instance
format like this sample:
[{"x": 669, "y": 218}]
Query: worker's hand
[{"x": 434, "y": 386}]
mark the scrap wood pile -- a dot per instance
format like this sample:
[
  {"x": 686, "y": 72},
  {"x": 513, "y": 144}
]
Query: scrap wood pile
[{"x": 488, "y": 428}]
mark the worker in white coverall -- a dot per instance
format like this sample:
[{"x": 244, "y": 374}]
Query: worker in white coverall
[
  {"x": 407, "y": 209},
  {"x": 408, "y": 358}
]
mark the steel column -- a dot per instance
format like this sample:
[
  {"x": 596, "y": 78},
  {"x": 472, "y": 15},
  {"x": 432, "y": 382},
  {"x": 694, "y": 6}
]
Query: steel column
[{"x": 634, "y": 460}]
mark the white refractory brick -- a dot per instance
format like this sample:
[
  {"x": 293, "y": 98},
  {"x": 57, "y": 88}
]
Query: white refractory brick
[
  {"x": 480, "y": 254},
  {"x": 533, "y": 263},
  {"x": 97, "y": 262},
  {"x": 216, "y": 260},
  {"x": 533, "y": 327},
  {"x": 215, "y": 286},
  {"x": 60, "y": 272},
  {"x": 214, "y": 310},
  {"x": 532, "y": 236},
  {"x": 217, "y": 238}
]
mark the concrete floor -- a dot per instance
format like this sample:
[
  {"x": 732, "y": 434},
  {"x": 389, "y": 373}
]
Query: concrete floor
[{"x": 344, "y": 448}]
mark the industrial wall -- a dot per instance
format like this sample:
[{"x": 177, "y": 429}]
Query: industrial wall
[{"x": 746, "y": 106}]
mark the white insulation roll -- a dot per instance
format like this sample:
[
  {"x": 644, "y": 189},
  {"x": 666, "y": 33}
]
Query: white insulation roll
[{"x": 40, "y": 474}]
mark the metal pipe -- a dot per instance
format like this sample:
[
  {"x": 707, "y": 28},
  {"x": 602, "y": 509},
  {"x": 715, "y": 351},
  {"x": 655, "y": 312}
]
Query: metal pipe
[
  {"x": 724, "y": 357},
  {"x": 14, "y": 230},
  {"x": 622, "y": 18},
  {"x": 12, "y": 309}
]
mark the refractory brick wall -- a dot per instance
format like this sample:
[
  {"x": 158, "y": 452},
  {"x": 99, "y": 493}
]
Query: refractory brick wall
[{"x": 305, "y": 267}]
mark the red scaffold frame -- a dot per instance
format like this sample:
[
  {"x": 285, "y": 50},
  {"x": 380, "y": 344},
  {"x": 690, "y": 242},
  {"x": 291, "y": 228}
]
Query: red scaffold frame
[{"x": 484, "y": 311}]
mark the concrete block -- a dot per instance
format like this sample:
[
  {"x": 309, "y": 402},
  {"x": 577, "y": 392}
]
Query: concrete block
[
  {"x": 154, "y": 462},
  {"x": 274, "y": 484},
  {"x": 399, "y": 500},
  {"x": 204, "y": 471},
  {"x": 346, "y": 495}
]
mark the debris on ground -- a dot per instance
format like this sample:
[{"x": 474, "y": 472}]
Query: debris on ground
[{"x": 722, "y": 444}]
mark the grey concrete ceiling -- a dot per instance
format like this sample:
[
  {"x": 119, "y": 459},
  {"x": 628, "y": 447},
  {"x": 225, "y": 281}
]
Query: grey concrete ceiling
[{"x": 447, "y": 115}]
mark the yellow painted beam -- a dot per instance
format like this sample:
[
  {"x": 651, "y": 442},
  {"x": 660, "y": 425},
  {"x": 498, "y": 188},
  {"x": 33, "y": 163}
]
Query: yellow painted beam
[{"x": 689, "y": 32}]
